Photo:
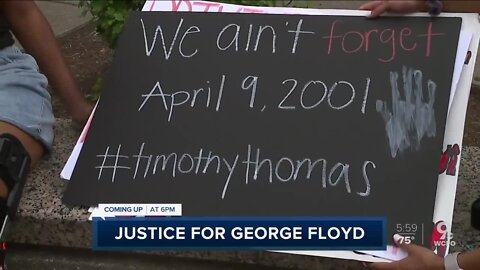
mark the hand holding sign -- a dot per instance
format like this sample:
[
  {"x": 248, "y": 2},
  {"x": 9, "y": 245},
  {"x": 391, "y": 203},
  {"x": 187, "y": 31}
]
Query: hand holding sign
[
  {"x": 405, "y": 6},
  {"x": 418, "y": 258}
]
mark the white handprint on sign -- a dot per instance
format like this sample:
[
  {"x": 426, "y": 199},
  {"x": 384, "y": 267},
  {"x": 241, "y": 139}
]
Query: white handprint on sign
[{"x": 411, "y": 118}]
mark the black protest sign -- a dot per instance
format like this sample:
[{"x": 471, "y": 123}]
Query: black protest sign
[{"x": 273, "y": 115}]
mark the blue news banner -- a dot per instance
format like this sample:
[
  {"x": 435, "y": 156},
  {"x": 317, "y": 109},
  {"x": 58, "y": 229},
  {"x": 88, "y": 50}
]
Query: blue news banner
[{"x": 184, "y": 233}]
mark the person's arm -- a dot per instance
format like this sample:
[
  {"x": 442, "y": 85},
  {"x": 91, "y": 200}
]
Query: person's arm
[
  {"x": 410, "y": 6},
  {"x": 424, "y": 259},
  {"x": 36, "y": 36},
  {"x": 461, "y": 6},
  {"x": 469, "y": 260}
]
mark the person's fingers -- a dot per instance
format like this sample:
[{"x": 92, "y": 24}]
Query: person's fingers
[
  {"x": 370, "y": 5},
  {"x": 384, "y": 266},
  {"x": 366, "y": 264},
  {"x": 379, "y": 10},
  {"x": 406, "y": 247},
  {"x": 414, "y": 249},
  {"x": 398, "y": 239}
]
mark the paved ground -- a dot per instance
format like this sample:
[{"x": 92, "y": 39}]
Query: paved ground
[
  {"x": 48, "y": 258},
  {"x": 64, "y": 16}
]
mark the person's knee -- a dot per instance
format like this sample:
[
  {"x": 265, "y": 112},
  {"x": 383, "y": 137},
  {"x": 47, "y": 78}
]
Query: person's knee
[
  {"x": 24, "y": 142},
  {"x": 33, "y": 147},
  {"x": 14, "y": 165}
]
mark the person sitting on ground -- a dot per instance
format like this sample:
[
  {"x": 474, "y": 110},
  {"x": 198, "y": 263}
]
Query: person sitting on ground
[
  {"x": 420, "y": 258},
  {"x": 26, "y": 119}
]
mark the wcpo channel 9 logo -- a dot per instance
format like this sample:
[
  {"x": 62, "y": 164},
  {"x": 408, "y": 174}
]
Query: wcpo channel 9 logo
[{"x": 441, "y": 239}]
